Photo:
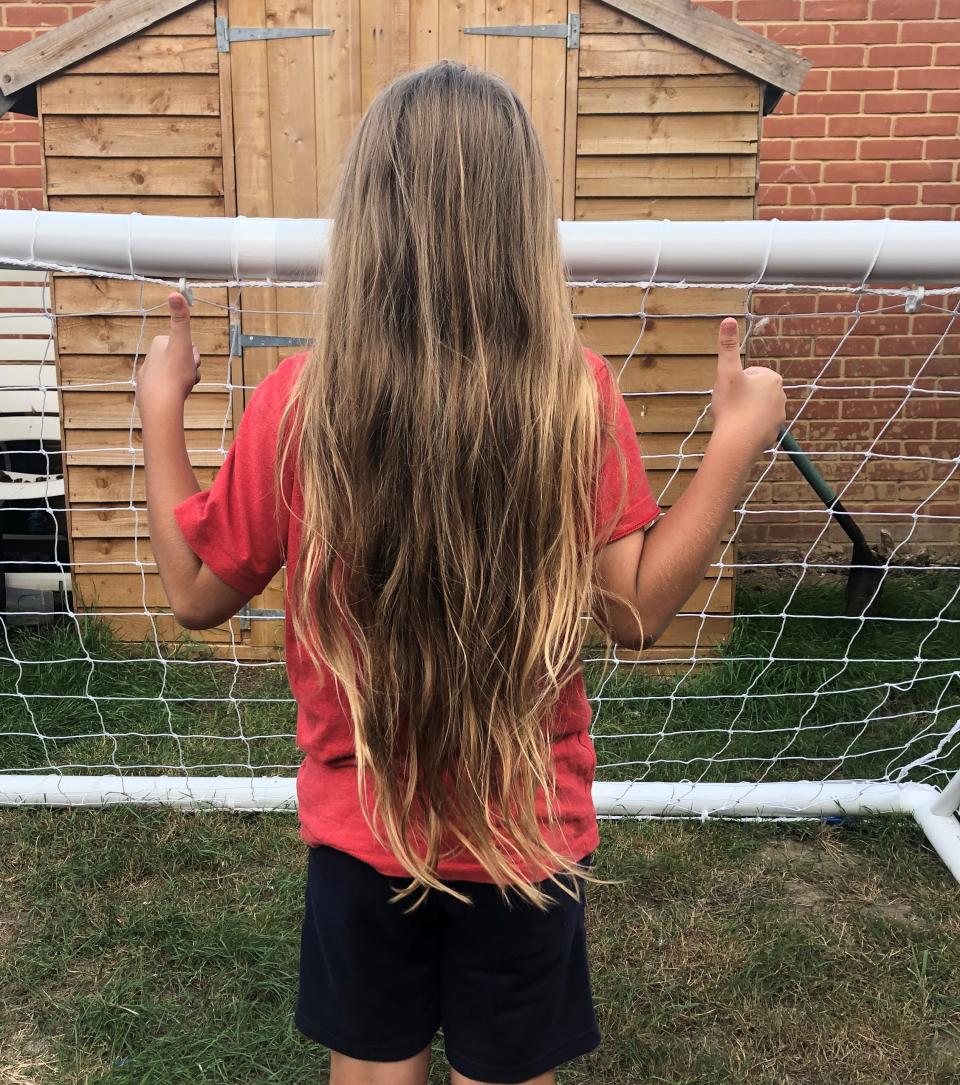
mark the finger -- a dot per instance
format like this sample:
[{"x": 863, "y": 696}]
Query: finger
[
  {"x": 180, "y": 324},
  {"x": 728, "y": 347}
]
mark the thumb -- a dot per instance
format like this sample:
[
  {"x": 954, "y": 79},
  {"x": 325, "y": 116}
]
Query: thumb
[
  {"x": 728, "y": 347},
  {"x": 180, "y": 324}
]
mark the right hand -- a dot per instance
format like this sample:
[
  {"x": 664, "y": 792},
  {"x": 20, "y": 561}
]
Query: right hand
[{"x": 747, "y": 402}]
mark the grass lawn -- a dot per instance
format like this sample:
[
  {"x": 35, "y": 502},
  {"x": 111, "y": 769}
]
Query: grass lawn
[{"x": 149, "y": 946}]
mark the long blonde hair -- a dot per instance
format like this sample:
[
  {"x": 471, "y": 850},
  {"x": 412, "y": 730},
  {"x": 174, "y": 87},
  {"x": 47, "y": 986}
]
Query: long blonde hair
[{"x": 449, "y": 448}]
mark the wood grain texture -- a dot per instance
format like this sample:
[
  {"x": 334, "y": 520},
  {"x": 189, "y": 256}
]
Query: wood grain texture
[
  {"x": 160, "y": 53},
  {"x": 570, "y": 126},
  {"x": 643, "y": 54},
  {"x": 548, "y": 79},
  {"x": 146, "y": 205},
  {"x": 112, "y": 447},
  {"x": 126, "y": 137},
  {"x": 723, "y": 38},
  {"x": 135, "y": 176},
  {"x": 691, "y": 208},
  {"x": 181, "y": 95},
  {"x": 667, "y": 133},
  {"x": 78, "y": 38},
  {"x": 666, "y": 94}
]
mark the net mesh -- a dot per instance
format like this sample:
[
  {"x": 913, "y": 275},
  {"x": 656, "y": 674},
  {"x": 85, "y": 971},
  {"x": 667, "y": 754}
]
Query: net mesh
[{"x": 764, "y": 675}]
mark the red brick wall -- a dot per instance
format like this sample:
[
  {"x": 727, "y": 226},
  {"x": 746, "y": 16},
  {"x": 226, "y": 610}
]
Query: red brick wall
[{"x": 873, "y": 133}]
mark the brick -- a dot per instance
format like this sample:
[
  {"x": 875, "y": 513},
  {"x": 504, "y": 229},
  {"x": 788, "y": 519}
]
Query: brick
[
  {"x": 795, "y": 126},
  {"x": 900, "y": 56},
  {"x": 772, "y": 193},
  {"x": 863, "y": 172},
  {"x": 847, "y": 303},
  {"x": 784, "y": 303},
  {"x": 949, "y": 9},
  {"x": 805, "y": 214},
  {"x": 941, "y": 193},
  {"x": 834, "y": 56},
  {"x": 19, "y": 177},
  {"x": 793, "y": 34},
  {"x": 835, "y": 9},
  {"x": 830, "y": 149},
  {"x": 869, "y": 408},
  {"x": 947, "y": 429},
  {"x": 929, "y": 78},
  {"x": 772, "y": 173},
  {"x": 843, "y": 213},
  {"x": 904, "y": 9},
  {"x": 19, "y": 129},
  {"x": 884, "y": 324},
  {"x": 858, "y": 346},
  {"x": 948, "y": 54},
  {"x": 828, "y": 103},
  {"x": 925, "y": 126},
  {"x": 820, "y": 194},
  {"x": 945, "y": 30},
  {"x": 942, "y": 148},
  {"x": 777, "y": 150},
  {"x": 764, "y": 10},
  {"x": 861, "y": 79},
  {"x": 36, "y": 15},
  {"x": 921, "y": 171},
  {"x": 6, "y": 154},
  {"x": 11, "y": 39},
  {"x": 891, "y": 148},
  {"x": 894, "y": 103},
  {"x": 859, "y": 126},
  {"x": 29, "y": 200},
  {"x": 26, "y": 154},
  {"x": 868, "y": 32},
  {"x": 931, "y": 213},
  {"x": 874, "y": 367},
  {"x": 945, "y": 102}
]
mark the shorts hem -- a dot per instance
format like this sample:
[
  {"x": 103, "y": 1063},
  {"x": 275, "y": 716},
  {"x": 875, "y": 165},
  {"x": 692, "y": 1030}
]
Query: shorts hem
[
  {"x": 500, "y": 1075},
  {"x": 389, "y": 1052}
]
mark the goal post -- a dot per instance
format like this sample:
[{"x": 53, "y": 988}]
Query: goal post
[{"x": 806, "y": 712}]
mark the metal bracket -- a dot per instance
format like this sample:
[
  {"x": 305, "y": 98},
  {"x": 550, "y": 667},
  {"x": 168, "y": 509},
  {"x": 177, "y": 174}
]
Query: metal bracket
[
  {"x": 238, "y": 341},
  {"x": 227, "y": 33},
  {"x": 247, "y": 614},
  {"x": 569, "y": 30}
]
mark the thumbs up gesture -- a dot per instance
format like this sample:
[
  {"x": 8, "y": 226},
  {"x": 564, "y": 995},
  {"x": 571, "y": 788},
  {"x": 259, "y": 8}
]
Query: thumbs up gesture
[
  {"x": 172, "y": 365},
  {"x": 748, "y": 402}
]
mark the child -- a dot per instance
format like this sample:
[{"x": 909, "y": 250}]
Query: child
[{"x": 452, "y": 482}]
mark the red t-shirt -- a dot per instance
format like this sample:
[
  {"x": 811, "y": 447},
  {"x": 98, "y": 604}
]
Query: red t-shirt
[{"x": 245, "y": 535}]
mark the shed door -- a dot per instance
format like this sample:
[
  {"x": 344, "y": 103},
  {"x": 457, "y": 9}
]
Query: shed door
[{"x": 296, "y": 102}]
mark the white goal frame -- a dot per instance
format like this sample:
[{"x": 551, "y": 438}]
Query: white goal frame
[{"x": 271, "y": 252}]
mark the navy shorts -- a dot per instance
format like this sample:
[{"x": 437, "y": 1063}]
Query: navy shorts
[{"x": 508, "y": 984}]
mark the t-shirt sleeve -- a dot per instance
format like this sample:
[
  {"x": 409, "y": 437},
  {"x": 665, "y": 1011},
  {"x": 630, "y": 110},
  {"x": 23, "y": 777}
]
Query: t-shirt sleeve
[
  {"x": 238, "y": 527},
  {"x": 639, "y": 507}
]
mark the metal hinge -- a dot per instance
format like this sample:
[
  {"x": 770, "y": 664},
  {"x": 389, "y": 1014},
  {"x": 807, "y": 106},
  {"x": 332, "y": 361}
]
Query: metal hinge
[
  {"x": 569, "y": 30},
  {"x": 238, "y": 341},
  {"x": 246, "y": 614},
  {"x": 227, "y": 33}
]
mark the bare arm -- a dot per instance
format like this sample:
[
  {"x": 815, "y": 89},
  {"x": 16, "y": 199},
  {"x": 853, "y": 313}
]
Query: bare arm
[
  {"x": 659, "y": 569},
  {"x": 197, "y": 596}
]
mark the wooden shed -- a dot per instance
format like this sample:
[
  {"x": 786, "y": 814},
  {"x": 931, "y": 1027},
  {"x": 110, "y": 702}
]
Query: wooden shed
[{"x": 646, "y": 108}]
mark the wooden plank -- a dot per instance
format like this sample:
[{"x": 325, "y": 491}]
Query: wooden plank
[
  {"x": 664, "y": 186},
  {"x": 682, "y": 633},
  {"x": 376, "y": 48},
  {"x": 162, "y": 53},
  {"x": 425, "y": 31},
  {"x": 133, "y": 626},
  {"x": 670, "y": 373},
  {"x": 76, "y": 295},
  {"x": 658, "y": 301},
  {"x": 195, "y": 19},
  {"x": 467, "y": 48},
  {"x": 108, "y": 485},
  {"x": 597, "y": 17},
  {"x": 78, "y": 38},
  {"x": 115, "y": 372},
  {"x": 337, "y": 79},
  {"x": 509, "y": 56},
  {"x": 570, "y": 127},
  {"x": 116, "y": 410},
  {"x": 684, "y": 208},
  {"x": 676, "y": 414},
  {"x": 224, "y": 82},
  {"x": 112, "y": 446},
  {"x": 146, "y": 205},
  {"x": 141, "y": 95},
  {"x": 123, "y": 137},
  {"x": 548, "y": 77},
  {"x": 666, "y": 95},
  {"x": 129, "y": 176},
  {"x": 643, "y": 54},
  {"x": 704, "y": 29},
  {"x": 127, "y": 334},
  {"x": 667, "y": 133},
  {"x": 661, "y": 336},
  {"x": 705, "y": 167}
]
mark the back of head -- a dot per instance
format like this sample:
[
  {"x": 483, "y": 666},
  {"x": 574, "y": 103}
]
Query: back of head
[{"x": 448, "y": 454}]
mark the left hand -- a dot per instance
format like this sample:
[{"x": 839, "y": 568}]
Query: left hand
[{"x": 172, "y": 365}]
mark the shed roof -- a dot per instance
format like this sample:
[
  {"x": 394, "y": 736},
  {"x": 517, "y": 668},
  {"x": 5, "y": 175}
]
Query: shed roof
[{"x": 23, "y": 68}]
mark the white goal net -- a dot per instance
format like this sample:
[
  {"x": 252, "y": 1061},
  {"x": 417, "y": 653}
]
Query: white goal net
[{"x": 811, "y": 674}]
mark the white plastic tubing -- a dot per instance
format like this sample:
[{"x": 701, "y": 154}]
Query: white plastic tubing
[{"x": 294, "y": 250}]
